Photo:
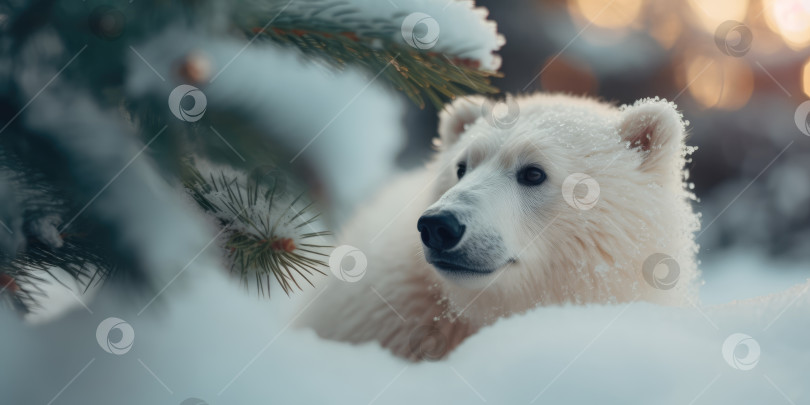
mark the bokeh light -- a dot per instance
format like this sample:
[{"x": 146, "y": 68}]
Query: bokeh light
[
  {"x": 613, "y": 14},
  {"x": 791, "y": 20},
  {"x": 712, "y": 13},
  {"x": 806, "y": 78},
  {"x": 724, "y": 83},
  {"x": 666, "y": 31}
]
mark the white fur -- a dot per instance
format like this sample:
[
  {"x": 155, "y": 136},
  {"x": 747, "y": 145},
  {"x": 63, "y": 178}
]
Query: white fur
[{"x": 549, "y": 253}]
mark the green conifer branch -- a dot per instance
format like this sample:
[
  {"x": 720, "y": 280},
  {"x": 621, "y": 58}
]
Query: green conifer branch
[
  {"x": 418, "y": 73},
  {"x": 264, "y": 236}
]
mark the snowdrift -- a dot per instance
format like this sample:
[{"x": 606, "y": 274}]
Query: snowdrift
[{"x": 209, "y": 340}]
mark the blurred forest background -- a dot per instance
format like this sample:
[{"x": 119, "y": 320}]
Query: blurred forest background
[{"x": 739, "y": 87}]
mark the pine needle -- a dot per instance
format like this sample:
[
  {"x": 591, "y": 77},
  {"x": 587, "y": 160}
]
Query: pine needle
[
  {"x": 256, "y": 247},
  {"x": 419, "y": 74}
]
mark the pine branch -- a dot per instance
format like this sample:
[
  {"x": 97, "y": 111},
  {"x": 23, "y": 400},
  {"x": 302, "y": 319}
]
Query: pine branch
[
  {"x": 261, "y": 239},
  {"x": 76, "y": 251},
  {"x": 268, "y": 233},
  {"x": 419, "y": 74}
]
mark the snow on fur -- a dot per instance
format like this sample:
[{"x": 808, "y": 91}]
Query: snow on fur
[{"x": 541, "y": 250}]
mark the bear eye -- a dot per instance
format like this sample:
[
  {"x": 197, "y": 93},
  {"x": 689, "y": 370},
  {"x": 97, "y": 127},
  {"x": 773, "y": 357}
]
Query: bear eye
[
  {"x": 462, "y": 168},
  {"x": 531, "y": 176}
]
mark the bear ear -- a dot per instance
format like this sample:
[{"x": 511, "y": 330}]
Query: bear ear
[
  {"x": 457, "y": 115},
  {"x": 655, "y": 129}
]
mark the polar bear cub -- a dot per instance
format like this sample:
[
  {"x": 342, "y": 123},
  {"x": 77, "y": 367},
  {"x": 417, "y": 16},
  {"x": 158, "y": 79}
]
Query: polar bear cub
[{"x": 560, "y": 200}]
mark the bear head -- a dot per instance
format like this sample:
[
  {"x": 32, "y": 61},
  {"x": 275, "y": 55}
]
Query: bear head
[{"x": 551, "y": 199}]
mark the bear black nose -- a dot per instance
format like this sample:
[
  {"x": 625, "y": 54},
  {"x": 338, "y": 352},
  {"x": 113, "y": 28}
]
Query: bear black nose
[{"x": 440, "y": 231}]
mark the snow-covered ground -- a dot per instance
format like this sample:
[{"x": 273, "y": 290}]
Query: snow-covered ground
[
  {"x": 741, "y": 274},
  {"x": 210, "y": 340}
]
